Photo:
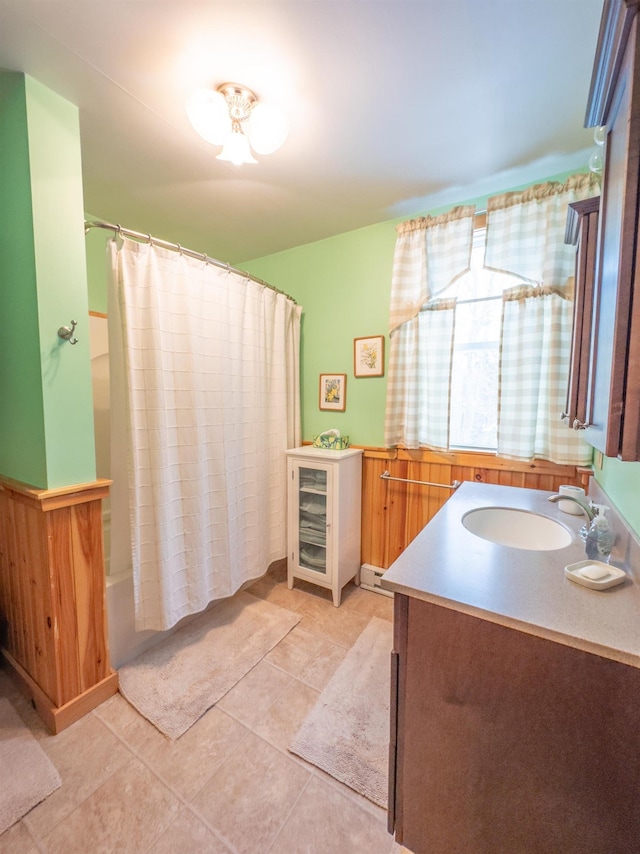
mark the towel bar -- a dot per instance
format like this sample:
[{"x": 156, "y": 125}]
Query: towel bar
[{"x": 386, "y": 476}]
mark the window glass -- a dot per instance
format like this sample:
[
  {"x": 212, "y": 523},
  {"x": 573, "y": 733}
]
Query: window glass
[{"x": 474, "y": 380}]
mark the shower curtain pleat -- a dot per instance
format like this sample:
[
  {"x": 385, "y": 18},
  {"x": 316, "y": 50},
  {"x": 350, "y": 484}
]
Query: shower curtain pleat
[{"x": 210, "y": 362}]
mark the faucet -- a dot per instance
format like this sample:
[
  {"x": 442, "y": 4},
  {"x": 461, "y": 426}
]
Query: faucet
[{"x": 588, "y": 510}]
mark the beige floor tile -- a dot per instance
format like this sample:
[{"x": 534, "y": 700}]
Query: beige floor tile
[
  {"x": 125, "y": 815},
  {"x": 188, "y": 835},
  {"x": 285, "y": 717},
  {"x": 262, "y": 587},
  {"x": 250, "y": 796},
  {"x": 17, "y": 840},
  {"x": 295, "y": 651},
  {"x": 250, "y": 698},
  {"x": 363, "y": 803},
  {"x": 23, "y": 706},
  {"x": 85, "y": 755},
  {"x": 242, "y": 783},
  {"x": 368, "y": 603},
  {"x": 341, "y": 626},
  {"x": 320, "y": 670},
  {"x": 325, "y": 822},
  {"x": 186, "y": 763}
]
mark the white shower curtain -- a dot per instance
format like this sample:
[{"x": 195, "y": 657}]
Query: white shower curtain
[{"x": 210, "y": 362}]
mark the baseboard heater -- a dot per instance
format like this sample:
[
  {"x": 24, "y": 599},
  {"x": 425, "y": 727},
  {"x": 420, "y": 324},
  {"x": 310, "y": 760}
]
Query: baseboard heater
[{"x": 370, "y": 578}]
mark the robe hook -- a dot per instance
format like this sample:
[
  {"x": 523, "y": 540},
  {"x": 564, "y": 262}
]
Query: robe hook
[{"x": 66, "y": 332}]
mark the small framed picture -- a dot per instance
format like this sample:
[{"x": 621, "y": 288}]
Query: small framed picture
[
  {"x": 333, "y": 392},
  {"x": 368, "y": 356}
]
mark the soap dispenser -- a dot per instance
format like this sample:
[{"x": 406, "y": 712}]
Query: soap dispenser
[{"x": 599, "y": 540}]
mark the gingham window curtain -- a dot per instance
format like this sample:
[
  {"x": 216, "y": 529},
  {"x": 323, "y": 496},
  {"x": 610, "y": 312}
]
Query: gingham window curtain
[
  {"x": 525, "y": 237},
  {"x": 430, "y": 253}
]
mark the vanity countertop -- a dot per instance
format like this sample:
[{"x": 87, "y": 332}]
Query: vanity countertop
[{"x": 519, "y": 588}]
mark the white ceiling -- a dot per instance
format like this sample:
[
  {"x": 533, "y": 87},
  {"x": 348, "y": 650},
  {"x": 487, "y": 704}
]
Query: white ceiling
[{"x": 395, "y": 106}]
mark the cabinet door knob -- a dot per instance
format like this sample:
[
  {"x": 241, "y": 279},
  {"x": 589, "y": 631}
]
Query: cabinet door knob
[
  {"x": 580, "y": 425},
  {"x": 564, "y": 416}
]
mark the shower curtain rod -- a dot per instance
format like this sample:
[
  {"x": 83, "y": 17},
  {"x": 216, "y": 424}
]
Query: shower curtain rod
[{"x": 176, "y": 247}]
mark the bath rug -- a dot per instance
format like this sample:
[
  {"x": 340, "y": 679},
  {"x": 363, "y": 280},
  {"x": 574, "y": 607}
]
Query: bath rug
[
  {"x": 346, "y": 733},
  {"x": 175, "y": 682},
  {"x": 28, "y": 775}
]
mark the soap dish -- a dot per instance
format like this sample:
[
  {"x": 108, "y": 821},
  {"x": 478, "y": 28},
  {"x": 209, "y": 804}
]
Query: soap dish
[{"x": 595, "y": 574}]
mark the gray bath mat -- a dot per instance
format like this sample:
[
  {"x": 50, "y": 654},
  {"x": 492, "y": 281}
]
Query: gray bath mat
[
  {"x": 28, "y": 775},
  {"x": 347, "y": 731},
  {"x": 174, "y": 683}
]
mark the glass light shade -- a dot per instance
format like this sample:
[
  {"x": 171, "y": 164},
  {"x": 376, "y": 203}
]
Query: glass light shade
[
  {"x": 236, "y": 149},
  {"x": 596, "y": 162},
  {"x": 600, "y": 135},
  {"x": 208, "y": 113},
  {"x": 268, "y": 128}
]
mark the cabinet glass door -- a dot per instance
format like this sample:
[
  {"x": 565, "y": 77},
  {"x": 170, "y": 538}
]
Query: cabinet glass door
[{"x": 312, "y": 521}]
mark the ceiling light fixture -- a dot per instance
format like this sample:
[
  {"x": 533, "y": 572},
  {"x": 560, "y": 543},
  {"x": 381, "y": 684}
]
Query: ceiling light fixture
[{"x": 231, "y": 116}]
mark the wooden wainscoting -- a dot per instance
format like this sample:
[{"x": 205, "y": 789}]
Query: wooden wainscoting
[
  {"x": 52, "y": 597},
  {"x": 394, "y": 513}
]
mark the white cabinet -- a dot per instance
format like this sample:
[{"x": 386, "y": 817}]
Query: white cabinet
[{"x": 323, "y": 517}]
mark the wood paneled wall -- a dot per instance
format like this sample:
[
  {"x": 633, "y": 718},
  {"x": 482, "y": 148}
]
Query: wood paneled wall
[
  {"x": 52, "y": 597},
  {"x": 394, "y": 513}
]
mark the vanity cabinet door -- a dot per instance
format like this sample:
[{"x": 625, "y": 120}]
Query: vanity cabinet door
[
  {"x": 507, "y": 742},
  {"x": 613, "y": 405},
  {"x": 582, "y": 229}
]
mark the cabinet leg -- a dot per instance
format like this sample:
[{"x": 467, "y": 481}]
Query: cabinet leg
[{"x": 337, "y": 594}]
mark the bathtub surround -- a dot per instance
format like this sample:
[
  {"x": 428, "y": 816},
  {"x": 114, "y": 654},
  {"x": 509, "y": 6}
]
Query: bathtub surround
[
  {"x": 28, "y": 775},
  {"x": 178, "y": 680},
  {"x": 346, "y": 733},
  {"x": 209, "y": 361}
]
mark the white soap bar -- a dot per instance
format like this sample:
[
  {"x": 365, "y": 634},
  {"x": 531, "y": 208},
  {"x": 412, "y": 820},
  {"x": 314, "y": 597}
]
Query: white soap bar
[{"x": 594, "y": 572}]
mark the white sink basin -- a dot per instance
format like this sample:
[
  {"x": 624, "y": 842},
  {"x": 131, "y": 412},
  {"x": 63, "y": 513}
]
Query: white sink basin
[{"x": 519, "y": 529}]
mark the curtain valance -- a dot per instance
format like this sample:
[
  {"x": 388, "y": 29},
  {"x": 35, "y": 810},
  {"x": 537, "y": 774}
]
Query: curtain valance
[
  {"x": 430, "y": 253},
  {"x": 525, "y": 230}
]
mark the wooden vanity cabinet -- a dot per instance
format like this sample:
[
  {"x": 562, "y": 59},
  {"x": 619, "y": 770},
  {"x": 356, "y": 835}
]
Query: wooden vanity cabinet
[
  {"x": 502, "y": 741},
  {"x": 613, "y": 405}
]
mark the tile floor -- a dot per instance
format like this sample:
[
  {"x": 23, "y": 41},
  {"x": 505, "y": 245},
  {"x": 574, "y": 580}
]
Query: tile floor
[{"x": 228, "y": 784}]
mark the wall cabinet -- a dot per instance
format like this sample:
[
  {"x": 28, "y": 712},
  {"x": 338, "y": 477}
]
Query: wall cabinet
[
  {"x": 582, "y": 231},
  {"x": 506, "y": 742},
  {"x": 323, "y": 517},
  {"x": 613, "y": 401}
]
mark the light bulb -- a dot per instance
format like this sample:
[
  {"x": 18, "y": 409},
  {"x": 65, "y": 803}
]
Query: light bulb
[
  {"x": 268, "y": 128},
  {"x": 208, "y": 113},
  {"x": 236, "y": 149}
]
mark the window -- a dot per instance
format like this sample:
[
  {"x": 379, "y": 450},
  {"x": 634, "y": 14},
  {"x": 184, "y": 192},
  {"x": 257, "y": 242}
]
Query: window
[
  {"x": 479, "y": 359},
  {"x": 476, "y": 351}
]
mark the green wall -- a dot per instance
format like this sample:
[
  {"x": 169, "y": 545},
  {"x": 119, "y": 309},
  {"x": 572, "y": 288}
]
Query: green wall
[
  {"x": 343, "y": 284},
  {"x": 46, "y": 426},
  {"x": 621, "y": 482},
  {"x": 22, "y": 442}
]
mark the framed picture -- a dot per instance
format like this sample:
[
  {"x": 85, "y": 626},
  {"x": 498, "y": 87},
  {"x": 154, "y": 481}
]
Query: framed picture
[
  {"x": 333, "y": 391},
  {"x": 368, "y": 356}
]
